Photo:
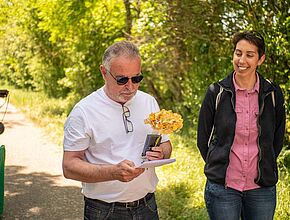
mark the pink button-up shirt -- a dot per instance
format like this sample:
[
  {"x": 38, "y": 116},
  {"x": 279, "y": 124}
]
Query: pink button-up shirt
[{"x": 243, "y": 166}]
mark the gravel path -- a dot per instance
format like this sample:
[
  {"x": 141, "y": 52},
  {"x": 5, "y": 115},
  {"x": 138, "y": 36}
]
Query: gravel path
[{"x": 34, "y": 185}]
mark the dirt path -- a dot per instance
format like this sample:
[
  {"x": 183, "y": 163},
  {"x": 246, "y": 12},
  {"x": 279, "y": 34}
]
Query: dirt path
[{"x": 34, "y": 185}]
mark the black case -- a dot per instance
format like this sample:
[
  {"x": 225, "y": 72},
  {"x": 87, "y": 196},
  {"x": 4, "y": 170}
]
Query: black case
[{"x": 151, "y": 142}]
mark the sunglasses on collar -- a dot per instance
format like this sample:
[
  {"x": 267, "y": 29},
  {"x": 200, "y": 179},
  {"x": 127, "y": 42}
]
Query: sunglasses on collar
[{"x": 122, "y": 80}]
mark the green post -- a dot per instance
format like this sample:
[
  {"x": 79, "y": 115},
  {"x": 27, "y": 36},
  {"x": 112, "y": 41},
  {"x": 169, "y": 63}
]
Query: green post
[{"x": 2, "y": 168}]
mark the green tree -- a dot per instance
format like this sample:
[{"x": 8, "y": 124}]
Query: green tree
[{"x": 56, "y": 45}]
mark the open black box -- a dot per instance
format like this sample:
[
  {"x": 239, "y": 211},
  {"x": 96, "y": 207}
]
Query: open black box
[{"x": 152, "y": 140}]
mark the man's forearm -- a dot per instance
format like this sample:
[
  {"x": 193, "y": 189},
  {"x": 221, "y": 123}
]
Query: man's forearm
[
  {"x": 80, "y": 170},
  {"x": 166, "y": 149}
]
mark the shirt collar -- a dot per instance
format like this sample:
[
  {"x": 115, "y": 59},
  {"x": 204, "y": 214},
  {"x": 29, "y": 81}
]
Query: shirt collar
[{"x": 254, "y": 89}]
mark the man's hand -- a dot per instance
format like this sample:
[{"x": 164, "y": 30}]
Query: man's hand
[
  {"x": 161, "y": 152},
  {"x": 126, "y": 171},
  {"x": 156, "y": 153}
]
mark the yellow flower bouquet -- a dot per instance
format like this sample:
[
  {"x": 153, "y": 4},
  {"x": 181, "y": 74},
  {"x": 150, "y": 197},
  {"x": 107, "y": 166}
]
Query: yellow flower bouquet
[{"x": 163, "y": 122}]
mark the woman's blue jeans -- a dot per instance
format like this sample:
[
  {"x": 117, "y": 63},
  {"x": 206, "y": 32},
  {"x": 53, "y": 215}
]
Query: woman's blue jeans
[
  {"x": 229, "y": 204},
  {"x": 98, "y": 210}
]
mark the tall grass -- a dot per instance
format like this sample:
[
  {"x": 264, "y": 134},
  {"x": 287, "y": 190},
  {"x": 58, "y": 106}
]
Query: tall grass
[
  {"x": 283, "y": 195},
  {"x": 45, "y": 112},
  {"x": 180, "y": 189},
  {"x": 181, "y": 184}
]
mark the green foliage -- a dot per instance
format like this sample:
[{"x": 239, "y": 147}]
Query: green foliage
[
  {"x": 181, "y": 52},
  {"x": 83, "y": 29},
  {"x": 13, "y": 46},
  {"x": 56, "y": 46}
]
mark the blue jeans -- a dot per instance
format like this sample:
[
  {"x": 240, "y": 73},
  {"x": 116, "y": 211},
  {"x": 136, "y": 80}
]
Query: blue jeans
[
  {"x": 95, "y": 210},
  {"x": 229, "y": 204}
]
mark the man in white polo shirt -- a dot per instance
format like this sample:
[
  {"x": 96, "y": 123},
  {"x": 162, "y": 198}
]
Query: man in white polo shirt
[{"x": 104, "y": 138}]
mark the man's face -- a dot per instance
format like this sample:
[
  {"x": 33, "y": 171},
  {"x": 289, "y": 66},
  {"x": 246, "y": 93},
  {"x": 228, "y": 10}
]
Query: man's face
[{"x": 126, "y": 67}]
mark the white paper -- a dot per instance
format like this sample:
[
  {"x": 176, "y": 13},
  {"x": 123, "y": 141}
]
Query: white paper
[{"x": 156, "y": 163}]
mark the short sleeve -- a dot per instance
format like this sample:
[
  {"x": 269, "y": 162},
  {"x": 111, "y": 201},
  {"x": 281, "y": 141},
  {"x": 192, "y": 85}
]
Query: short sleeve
[{"x": 76, "y": 136}]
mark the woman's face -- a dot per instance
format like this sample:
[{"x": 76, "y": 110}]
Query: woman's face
[{"x": 246, "y": 59}]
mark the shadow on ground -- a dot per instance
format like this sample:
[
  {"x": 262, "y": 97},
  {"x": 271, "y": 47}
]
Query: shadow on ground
[{"x": 36, "y": 196}]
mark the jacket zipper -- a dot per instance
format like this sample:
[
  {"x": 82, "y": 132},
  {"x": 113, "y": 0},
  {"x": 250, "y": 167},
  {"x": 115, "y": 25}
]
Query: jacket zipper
[
  {"x": 232, "y": 102},
  {"x": 259, "y": 135}
]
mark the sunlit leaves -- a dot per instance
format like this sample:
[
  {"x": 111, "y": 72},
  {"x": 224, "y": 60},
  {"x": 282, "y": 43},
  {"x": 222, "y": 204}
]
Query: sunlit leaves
[{"x": 56, "y": 45}]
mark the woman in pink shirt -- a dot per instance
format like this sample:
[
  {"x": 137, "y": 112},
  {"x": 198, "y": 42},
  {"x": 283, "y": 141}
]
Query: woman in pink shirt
[{"x": 240, "y": 134}]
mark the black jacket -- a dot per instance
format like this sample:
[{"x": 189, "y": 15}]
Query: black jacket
[{"x": 271, "y": 128}]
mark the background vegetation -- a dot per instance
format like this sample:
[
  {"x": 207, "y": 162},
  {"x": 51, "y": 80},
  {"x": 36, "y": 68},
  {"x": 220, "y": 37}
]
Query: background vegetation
[{"x": 51, "y": 50}]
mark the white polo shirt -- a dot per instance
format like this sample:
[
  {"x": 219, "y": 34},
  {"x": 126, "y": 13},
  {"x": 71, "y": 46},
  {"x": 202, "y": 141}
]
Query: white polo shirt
[{"x": 96, "y": 125}]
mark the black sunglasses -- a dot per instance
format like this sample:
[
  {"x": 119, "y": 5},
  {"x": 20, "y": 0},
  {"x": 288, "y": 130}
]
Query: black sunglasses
[
  {"x": 127, "y": 123},
  {"x": 122, "y": 80}
]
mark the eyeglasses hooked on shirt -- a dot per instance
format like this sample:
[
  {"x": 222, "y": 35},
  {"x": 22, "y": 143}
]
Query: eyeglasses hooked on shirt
[
  {"x": 127, "y": 123},
  {"x": 122, "y": 80}
]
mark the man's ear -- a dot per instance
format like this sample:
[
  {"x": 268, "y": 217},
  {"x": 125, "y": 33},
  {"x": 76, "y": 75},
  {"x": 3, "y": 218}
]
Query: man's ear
[
  {"x": 103, "y": 71},
  {"x": 262, "y": 59}
]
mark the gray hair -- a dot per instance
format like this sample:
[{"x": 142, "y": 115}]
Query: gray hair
[{"x": 121, "y": 48}]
